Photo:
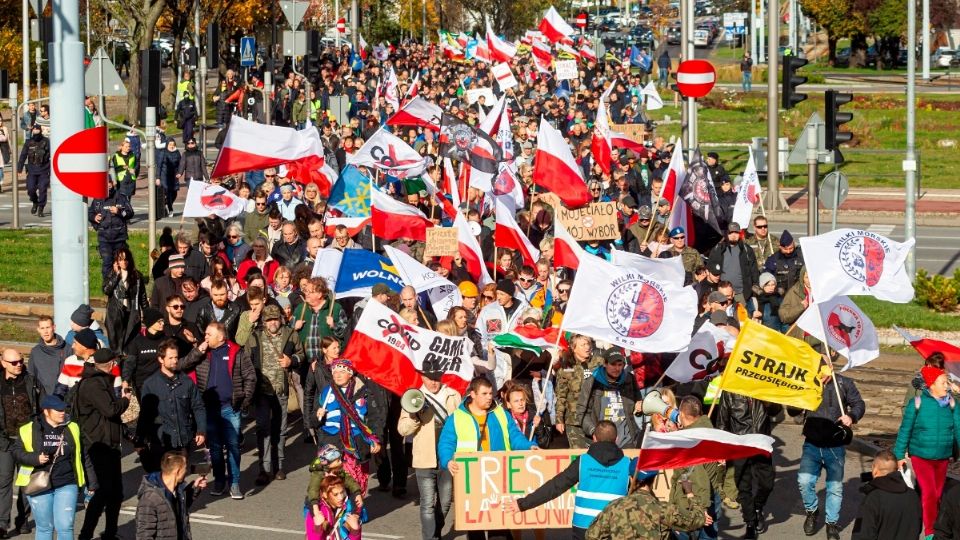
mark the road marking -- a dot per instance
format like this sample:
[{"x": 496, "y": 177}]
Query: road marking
[
  {"x": 266, "y": 529},
  {"x": 881, "y": 229},
  {"x": 192, "y": 514}
]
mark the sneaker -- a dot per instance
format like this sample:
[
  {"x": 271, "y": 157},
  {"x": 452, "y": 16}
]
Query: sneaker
[
  {"x": 810, "y": 524},
  {"x": 730, "y": 503},
  {"x": 280, "y": 475},
  {"x": 761, "y": 522},
  {"x": 235, "y": 492},
  {"x": 833, "y": 531},
  {"x": 262, "y": 479},
  {"x": 218, "y": 488}
]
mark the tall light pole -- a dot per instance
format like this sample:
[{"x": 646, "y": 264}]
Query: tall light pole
[
  {"x": 25, "y": 43},
  {"x": 773, "y": 99},
  {"x": 910, "y": 160},
  {"x": 925, "y": 31},
  {"x": 689, "y": 54}
]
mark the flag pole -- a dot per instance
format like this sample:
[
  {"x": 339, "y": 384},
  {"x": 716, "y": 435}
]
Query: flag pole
[
  {"x": 826, "y": 347},
  {"x": 764, "y": 214},
  {"x": 424, "y": 315},
  {"x": 496, "y": 251},
  {"x": 542, "y": 402}
]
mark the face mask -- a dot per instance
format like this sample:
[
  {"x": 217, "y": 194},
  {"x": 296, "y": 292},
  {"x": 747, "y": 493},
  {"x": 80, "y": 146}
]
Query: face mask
[{"x": 37, "y": 136}]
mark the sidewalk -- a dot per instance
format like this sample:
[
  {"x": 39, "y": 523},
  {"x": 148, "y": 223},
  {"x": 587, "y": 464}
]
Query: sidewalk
[{"x": 935, "y": 207}]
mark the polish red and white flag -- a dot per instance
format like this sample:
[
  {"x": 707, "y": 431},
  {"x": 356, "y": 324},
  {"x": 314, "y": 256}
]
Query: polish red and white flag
[
  {"x": 601, "y": 145},
  {"x": 695, "y": 446},
  {"x": 554, "y": 27},
  {"x": 555, "y": 168},
  {"x": 542, "y": 52},
  {"x": 249, "y": 146},
  {"x": 500, "y": 50},
  {"x": 566, "y": 251},
  {"x": 508, "y": 234},
  {"x": 470, "y": 251},
  {"x": 417, "y": 111},
  {"x": 393, "y": 219},
  {"x": 587, "y": 53}
]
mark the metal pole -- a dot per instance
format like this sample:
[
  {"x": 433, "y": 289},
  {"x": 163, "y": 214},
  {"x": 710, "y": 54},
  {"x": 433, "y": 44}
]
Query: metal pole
[
  {"x": 685, "y": 36},
  {"x": 203, "y": 104},
  {"x": 354, "y": 22},
  {"x": 812, "y": 177},
  {"x": 688, "y": 21},
  {"x": 761, "y": 53},
  {"x": 267, "y": 93},
  {"x": 14, "y": 155},
  {"x": 792, "y": 25},
  {"x": 38, "y": 58},
  {"x": 925, "y": 31},
  {"x": 773, "y": 119},
  {"x": 596, "y": 26},
  {"x": 150, "y": 130},
  {"x": 25, "y": 43},
  {"x": 71, "y": 280},
  {"x": 88, "y": 27},
  {"x": 910, "y": 161},
  {"x": 423, "y": 22}
]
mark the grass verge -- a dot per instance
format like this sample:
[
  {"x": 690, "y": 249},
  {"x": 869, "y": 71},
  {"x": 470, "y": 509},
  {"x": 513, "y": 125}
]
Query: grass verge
[{"x": 887, "y": 314}]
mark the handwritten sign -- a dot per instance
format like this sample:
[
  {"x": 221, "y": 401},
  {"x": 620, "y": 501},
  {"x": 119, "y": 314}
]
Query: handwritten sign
[
  {"x": 441, "y": 242},
  {"x": 487, "y": 480},
  {"x": 635, "y": 132},
  {"x": 566, "y": 69},
  {"x": 474, "y": 94},
  {"x": 596, "y": 221}
]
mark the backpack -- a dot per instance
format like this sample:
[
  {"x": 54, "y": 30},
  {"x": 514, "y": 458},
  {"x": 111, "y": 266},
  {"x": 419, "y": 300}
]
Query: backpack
[{"x": 36, "y": 154}]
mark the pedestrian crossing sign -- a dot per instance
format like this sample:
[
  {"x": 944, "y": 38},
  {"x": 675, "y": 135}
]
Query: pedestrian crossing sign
[{"x": 248, "y": 47}]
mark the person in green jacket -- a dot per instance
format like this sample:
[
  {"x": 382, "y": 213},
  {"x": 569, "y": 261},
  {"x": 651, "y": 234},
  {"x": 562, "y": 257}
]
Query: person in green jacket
[
  {"x": 300, "y": 111},
  {"x": 929, "y": 432},
  {"x": 314, "y": 319}
]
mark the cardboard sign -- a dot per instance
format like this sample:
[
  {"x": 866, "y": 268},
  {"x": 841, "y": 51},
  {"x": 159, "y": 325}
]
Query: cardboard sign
[
  {"x": 504, "y": 76},
  {"x": 474, "y": 94},
  {"x": 566, "y": 69},
  {"x": 596, "y": 221},
  {"x": 636, "y": 132},
  {"x": 486, "y": 480},
  {"x": 441, "y": 242}
]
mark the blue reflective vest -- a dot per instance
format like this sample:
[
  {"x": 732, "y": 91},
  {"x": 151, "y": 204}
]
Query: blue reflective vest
[{"x": 599, "y": 485}]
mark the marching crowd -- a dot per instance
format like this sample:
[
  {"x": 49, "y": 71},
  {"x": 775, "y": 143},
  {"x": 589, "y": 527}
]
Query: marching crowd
[{"x": 231, "y": 322}]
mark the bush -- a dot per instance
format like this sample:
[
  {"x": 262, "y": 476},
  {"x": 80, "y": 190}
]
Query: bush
[{"x": 940, "y": 293}]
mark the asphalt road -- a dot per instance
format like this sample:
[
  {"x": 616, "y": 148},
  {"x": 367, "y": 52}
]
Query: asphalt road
[{"x": 275, "y": 511}]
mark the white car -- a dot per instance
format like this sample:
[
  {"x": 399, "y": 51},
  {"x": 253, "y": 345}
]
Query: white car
[
  {"x": 943, "y": 57},
  {"x": 701, "y": 38}
]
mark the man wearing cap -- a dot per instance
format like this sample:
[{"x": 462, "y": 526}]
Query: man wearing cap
[
  {"x": 169, "y": 284},
  {"x": 737, "y": 263},
  {"x": 19, "y": 396},
  {"x": 635, "y": 236},
  {"x": 471, "y": 300},
  {"x": 762, "y": 241},
  {"x": 81, "y": 318},
  {"x": 717, "y": 172},
  {"x": 275, "y": 351},
  {"x": 84, "y": 345},
  {"x": 97, "y": 411},
  {"x": 433, "y": 482},
  {"x": 611, "y": 393},
  {"x": 498, "y": 318},
  {"x": 602, "y": 475},
  {"x": 288, "y": 202},
  {"x": 226, "y": 379},
  {"x": 141, "y": 359},
  {"x": 691, "y": 258},
  {"x": 786, "y": 264},
  {"x": 172, "y": 415}
]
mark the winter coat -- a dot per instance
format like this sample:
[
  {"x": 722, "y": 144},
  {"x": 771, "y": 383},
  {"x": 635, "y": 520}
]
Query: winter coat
[
  {"x": 947, "y": 526},
  {"x": 156, "y": 517},
  {"x": 929, "y": 431},
  {"x": 792, "y": 306},
  {"x": 377, "y": 402},
  {"x": 230, "y": 319},
  {"x": 889, "y": 511},
  {"x": 46, "y": 362},
  {"x": 197, "y": 365},
  {"x": 289, "y": 255},
  {"x": 98, "y": 409},
  {"x": 171, "y": 411},
  {"x": 317, "y": 379},
  {"x": 743, "y": 415},
  {"x": 589, "y": 408},
  {"x": 141, "y": 359},
  {"x": 820, "y": 426},
  {"x": 748, "y": 265},
  {"x": 785, "y": 268},
  {"x": 112, "y": 227},
  {"x": 124, "y": 306},
  {"x": 447, "y": 444},
  {"x": 193, "y": 166},
  {"x": 424, "y": 428},
  {"x": 268, "y": 269},
  {"x": 196, "y": 264},
  {"x": 40, "y": 164},
  {"x": 168, "y": 166},
  {"x": 33, "y": 395}
]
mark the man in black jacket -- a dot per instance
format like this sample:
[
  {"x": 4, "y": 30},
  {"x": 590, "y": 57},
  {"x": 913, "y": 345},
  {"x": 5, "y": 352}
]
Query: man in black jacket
[
  {"x": 219, "y": 308},
  {"x": 19, "y": 396},
  {"x": 947, "y": 526},
  {"x": 736, "y": 262},
  {"x": 890, "y": 510},
  {"x": 610, "y": 393},
  {"x": 109, "y": 218},
  {"x": 172, "y": 414},
  {"x": 35, "y": 158},
  {"x": 98, "y": 411},
  {"x": 141, "y": 358},
  {"x": 290, "y": 250}
]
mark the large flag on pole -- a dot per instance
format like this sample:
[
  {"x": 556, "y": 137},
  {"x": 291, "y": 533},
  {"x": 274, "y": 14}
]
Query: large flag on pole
[
  {"x": 417, "y": 112},
  {"x": 770, "y": 366},
  {"x": 327, "y": 266},
  {"x": 390, "y": 154},
  {"x": 470, "y": 251},
  {"x": 839, "y": 323},
  {"x": 748, "y": 193},
  {"x": 601, "y": 145},
  {"x": 205, "y": 199},
  {"x": 554, "y": 27},
  {"x": 555, "y": 169},
  {"x": 566, "y": 251},
  {"x": 701, "y": 358},
  {"x": 654, "y": 101},
  {"x": 626, "y": 308},
  {"x": 360, "y": 270},
  {"x": 250, "y": 146},
  {"x": 508, "y": 234},
  {"x": 658, "y": 269},
  {"x": 442, "y": 292},
  {"x": 694, "y": 446},
  {"x": 500, "y": 50},
  {"x": 390, "y": 352},
  {"x": 393, "y": 219},
  {"x": 699, "y": 193},
  {"x": 926, "y": 347},
  {"x": 855, "y": 262},
  {"x": 464, "y": 143}
]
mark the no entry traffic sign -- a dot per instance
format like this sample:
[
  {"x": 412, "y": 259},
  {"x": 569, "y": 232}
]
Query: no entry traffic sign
[
  {"x": 80, "y": 163},
  {"x": 695, "y": 78}
]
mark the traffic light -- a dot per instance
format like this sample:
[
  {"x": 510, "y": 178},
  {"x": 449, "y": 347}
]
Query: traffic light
[
  {"x": 835, "y": 119},
  {"x": 789, "y": 95},
  {"x": 213, "y": 46},
  {"x": 311, "y": 60}
]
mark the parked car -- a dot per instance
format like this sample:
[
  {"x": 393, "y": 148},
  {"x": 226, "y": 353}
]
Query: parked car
[
  {"x": 674, "y": 35},
  {"x": 701, "y": 38},
  {"x": 944, "y": 57}
]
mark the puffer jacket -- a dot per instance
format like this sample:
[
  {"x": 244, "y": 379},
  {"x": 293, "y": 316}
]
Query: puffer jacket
[
  {"x": 193, "y": 166},
  {"x": 112, "y": 227},
  {"x": 156, "y": 517},
  {"x": 168, "y": 166},
  {"x": 98, "y": 409},
  {"x": 243, "y": 373},
  {"x": 930, "y": 430}
]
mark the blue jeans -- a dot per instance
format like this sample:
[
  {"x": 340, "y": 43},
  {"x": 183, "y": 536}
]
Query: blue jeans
[
  {"x": 436, "y": 488},
  {"x": 746, "y": 81},
  {"x": 664, "y": 74},
  {"x": 55, "y": 509},
  {"x": 811, "y": 462},
  {"x": 223, "y": 428}
]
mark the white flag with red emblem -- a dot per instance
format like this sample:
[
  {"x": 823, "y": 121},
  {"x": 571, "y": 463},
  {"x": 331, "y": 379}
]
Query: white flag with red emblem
[
  {"x": 701, "y": 358},
  {"x": 205, "y": 199},
  {"x": 840, "y": 324},
  {"x": 748, "y": 193},
  {"x": 627, "y": 308},
  {"x": 390, "y": 154},
  {"x": 855, "y": 262}
]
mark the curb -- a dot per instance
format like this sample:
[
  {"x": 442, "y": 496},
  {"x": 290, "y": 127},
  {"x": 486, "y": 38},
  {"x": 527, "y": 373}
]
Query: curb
[{"x": 863, "y": 218}]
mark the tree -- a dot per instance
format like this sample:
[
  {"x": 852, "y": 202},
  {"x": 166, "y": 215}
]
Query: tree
[{"x": 838, "y": 18}]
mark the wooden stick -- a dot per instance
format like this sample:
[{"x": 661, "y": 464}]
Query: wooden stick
[
  {"x": 660, "y": 380},
  {"x": 764, "y": 214},
  {"x": 542, "y": 402},
  {"x": 496, "y": 262},
  {"x": 833, "y": 376},
  {"x": 424, "y": 315}
]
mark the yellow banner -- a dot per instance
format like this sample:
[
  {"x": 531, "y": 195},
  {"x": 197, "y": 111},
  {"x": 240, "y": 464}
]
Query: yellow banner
[{"x": 770, "y": 366}]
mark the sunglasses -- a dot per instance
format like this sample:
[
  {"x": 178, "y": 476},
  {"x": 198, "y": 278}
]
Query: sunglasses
[
  {"x": 489, "y": 297},
  {"x": 526, "y": 280},
  {"x": 175, "y": 306},
  {"x": 16, "y": 363},
  {"x": 679, "y": 237},
  {"x": 233, "y": 236},
  {"x": 563, "y": 291},
  {"x": 760, "y": 226},
  {"x": 270, "y": 176},
  {"x": 261, "y": 204}
]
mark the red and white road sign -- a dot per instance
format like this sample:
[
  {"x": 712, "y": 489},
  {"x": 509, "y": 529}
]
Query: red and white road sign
[
  {"x": 342, "y": 25},
  {"x": 582, "y": 20},
  {"x": 695, "y": 78},
  {"x": 80, "y": 163}
]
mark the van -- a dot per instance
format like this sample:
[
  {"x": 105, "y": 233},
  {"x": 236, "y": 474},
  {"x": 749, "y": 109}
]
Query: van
[{"x": 701, "y": 38}]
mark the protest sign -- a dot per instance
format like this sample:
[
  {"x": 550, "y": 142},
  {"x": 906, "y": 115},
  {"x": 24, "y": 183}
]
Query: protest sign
[
  {"x": 442, "y": 242},
  {"x": 634, "y": 132},
  {"x": 487, "y": 480},
  {"x": 566, "y": 69},
  {"x": 596, "y": 221},
  {"x": 504, "y": 76},
  {"x": 474, "y": 94},
  {"x": 770, "y": 366}
]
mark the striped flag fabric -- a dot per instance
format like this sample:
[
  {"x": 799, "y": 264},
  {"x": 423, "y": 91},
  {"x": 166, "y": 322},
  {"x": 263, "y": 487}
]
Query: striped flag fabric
[
  {"x": 530, "y": 338},
  {"x": 393, "y": 219},
  {"x": 927, "y": 346},
  {"x": 554, "y": 27},
  {"x": 508, "y": 234},
  {"x": 695, "y": 446}
]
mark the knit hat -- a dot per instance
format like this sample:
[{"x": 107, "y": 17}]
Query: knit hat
[
  {"x": 930, "y": 374},
  {"x": 87, "y": 338},
  {"x": 151, "y": 316},
  {"x": 786, "y": 238},
  {"x": 328, "y": 453},
  {"x": 83, "y": 315},
  {"x": 342, "y": 363},
  {"x": 506, "y": 286},
  {"x": 766, "y": 277},
  {"x": 176, "y": 261},
  {"x": 104, "y": 355}
]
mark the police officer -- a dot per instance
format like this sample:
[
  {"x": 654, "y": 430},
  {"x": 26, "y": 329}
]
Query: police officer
[
  {"x": 601, "y": 475},
  {"x": 785, "y": 264},
  {"x": 35, "y": 158},
  {"x": 125, "y": 164},
  {"x": 109, "y": 218}
]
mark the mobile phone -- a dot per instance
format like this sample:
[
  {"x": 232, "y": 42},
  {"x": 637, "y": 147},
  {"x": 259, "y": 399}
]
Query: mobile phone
[{"x": 202, "y": 468}]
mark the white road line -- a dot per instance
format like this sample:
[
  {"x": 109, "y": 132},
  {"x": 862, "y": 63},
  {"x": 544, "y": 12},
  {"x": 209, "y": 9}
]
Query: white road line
[
  {"x": 881, "y": 229},
  {"x": 192, "y": 514},
  {"x": 267, "y": 529}
]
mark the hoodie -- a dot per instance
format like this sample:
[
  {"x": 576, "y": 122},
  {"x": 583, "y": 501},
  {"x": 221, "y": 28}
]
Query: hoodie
[
  {"x": 46, "y": 362},
  {"x": 890, "y": 510},
  {"x": 599, "y": 394},
  {"x": 606, "y": 453}
]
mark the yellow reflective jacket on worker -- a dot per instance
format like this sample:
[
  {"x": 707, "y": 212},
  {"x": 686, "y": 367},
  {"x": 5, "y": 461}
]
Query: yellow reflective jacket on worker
[{"x": 26, "y": 438}]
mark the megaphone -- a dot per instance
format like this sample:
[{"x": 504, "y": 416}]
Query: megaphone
[
  {"x": 412, "y": 401},
  {"x": 654, "y": 404}
]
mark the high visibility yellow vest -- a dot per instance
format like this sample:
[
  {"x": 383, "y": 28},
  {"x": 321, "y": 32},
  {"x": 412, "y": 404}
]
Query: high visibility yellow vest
[
  {"x": 713, "y": 390},
  {"x": 122, "y": 173},
  {"x": 468, "y": 432},
  {"x": 26, "y": 435},
  {"x": 184, "y": 88}
]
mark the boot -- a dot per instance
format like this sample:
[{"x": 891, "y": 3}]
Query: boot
[
  {"x": 833, "y": 531},
  {"x": 810, "y": 524},
  {"x": 751, "y": 533},
  {"x": 33, "y": 210},
  {"x": 40, "y": 212}
]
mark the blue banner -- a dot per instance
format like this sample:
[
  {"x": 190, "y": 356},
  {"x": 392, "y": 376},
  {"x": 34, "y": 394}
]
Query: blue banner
[{"x": 360, "y": 270}]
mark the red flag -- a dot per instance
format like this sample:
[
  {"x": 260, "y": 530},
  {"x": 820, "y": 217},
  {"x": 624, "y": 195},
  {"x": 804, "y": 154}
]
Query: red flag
[
  {"x": 566, "y": 251},
  {"x": 249, "y": 146},
  {"x": 470, "y": 251},
  {"x": 555, "y": 168},
  {"x": 927, "y": 346},
  {"x": 312, "y": 170},
  {"x": 554, "y": 27},
  {"x": 509, "y": 235},
  {"x": 393, "y": 219}
]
